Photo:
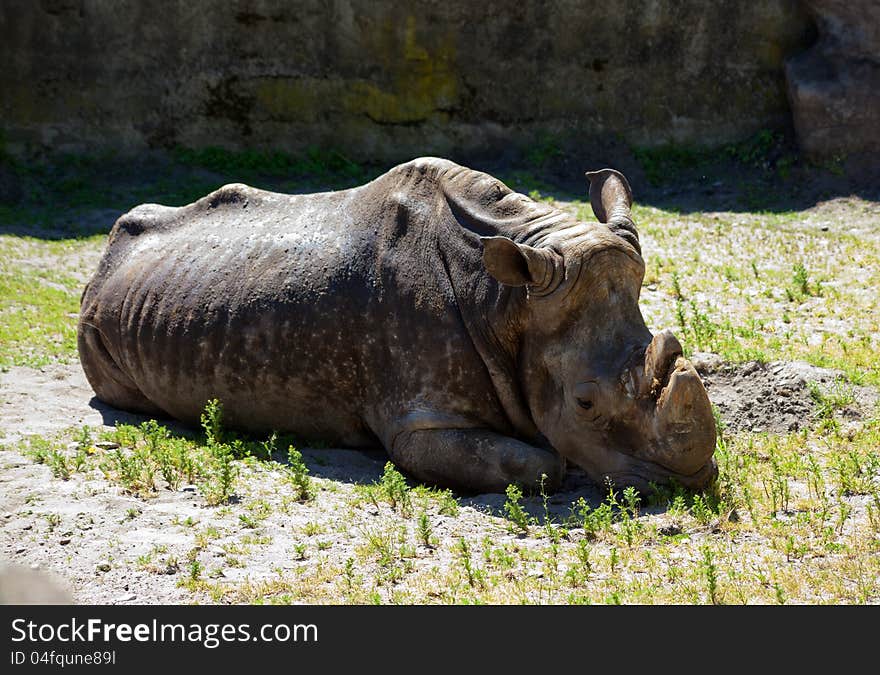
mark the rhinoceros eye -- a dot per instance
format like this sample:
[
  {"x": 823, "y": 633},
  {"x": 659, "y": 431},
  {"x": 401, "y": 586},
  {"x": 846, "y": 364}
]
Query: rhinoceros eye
[
  {"x": 585, "y": 403},
  {"x": 586, "y": 393}
]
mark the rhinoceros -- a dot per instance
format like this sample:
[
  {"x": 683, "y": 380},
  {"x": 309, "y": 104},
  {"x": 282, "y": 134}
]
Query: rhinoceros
[{"x": 481, "y": 337}]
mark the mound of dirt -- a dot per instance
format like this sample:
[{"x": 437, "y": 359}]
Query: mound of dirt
[{"x": 777, "y": 396}]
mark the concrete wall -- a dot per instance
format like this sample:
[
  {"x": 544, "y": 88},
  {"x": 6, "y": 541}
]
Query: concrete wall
[{"x": 386, "y": 79}]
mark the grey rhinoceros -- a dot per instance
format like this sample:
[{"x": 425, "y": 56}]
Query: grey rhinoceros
[{"x": 480, "y": 337}]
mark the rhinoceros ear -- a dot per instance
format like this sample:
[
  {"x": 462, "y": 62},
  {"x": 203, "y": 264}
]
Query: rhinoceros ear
[{"x": 517, "y": 264}]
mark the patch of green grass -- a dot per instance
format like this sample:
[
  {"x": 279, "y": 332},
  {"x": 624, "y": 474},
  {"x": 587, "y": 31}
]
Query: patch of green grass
[
  {"x": 37, "y": 310},
  {"x": 443, "y": 500},
  {"x": 857, "y": 361},
  {"x": 212, "y": 422},
  {"x": 659, "y": 163},
  {"x": 393, "y": 486},
  {"x": 472, "y": 573},
  {"x": 40, "y": 286},
  {"x": 829, "y": 401},
  {"x": 312, "y": 528},
  {"x": 761, "y": 151},
  {"x": 248, "y": 521},
  {"x": 710, "y": 571},
  {"x": 700, "y": 332},
  {"x": 426, "y": 532},
  {"x": 801, "y": 286},
  {"x": 543, "y": 150},
  {"x": 391, "y": 550},
  {"x": 220, "y": 475},
  {"x": 148, "y": 458},
  {"x": 756, "y": 150},
  {"x": 594, "y": 521}
]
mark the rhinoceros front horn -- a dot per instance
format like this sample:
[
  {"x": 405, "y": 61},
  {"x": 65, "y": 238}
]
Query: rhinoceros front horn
[{"x": 611, "y": 199}]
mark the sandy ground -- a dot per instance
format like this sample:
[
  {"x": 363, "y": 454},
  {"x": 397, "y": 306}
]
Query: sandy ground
[
  {"x": 105, "y": 546},
  {"x": 97, "y": 530}
]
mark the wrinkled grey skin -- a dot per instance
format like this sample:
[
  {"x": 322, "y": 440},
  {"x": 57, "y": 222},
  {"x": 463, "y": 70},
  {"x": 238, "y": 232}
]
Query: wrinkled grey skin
[{"x": 480, "y": 337}]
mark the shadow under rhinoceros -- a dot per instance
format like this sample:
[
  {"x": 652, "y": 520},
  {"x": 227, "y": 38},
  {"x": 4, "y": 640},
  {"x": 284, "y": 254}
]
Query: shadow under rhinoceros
[
  {"x": 112, "y": 417},
  {"x": 339, "y": 464},
  {"x": 560, "y": 507},
  {"x": 365, "y": 467}
]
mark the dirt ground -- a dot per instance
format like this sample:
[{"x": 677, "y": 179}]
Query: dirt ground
[{"x": 99, "y": 549}]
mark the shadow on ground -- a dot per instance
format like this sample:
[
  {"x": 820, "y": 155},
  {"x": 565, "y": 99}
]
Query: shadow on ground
[
  {"x": 706, "y": 183},
  {"x": 112, "y": 417},
  {"x": 365, "y": 467},
  {"x": 68, "y": 197}
]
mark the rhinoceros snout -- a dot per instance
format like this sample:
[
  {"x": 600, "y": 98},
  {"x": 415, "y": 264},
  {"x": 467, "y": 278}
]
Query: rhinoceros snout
[
  {"x": 683, "y": 424},
  {"x": 676, "y": 426}
]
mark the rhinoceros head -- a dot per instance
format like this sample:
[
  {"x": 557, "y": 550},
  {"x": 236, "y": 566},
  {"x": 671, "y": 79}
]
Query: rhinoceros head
[{"x": 611, "y": 397}]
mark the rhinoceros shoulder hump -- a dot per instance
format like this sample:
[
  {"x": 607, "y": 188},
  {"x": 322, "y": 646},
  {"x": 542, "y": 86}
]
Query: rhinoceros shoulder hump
[
  {"x": 233, "y": 194},
  {"x": 144, "y": 218},
  {"x": 153, "y": 217}
]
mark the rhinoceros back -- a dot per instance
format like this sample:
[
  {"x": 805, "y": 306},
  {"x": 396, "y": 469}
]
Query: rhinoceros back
[{"x": 236, "y": 296}]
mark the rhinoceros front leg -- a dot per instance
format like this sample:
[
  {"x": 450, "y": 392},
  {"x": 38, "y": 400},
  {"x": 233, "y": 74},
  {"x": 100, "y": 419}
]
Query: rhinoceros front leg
[{"x": 478, "y": 460}]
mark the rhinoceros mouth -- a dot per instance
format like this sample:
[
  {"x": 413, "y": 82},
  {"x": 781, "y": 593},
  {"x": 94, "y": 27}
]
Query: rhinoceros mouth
[{"x": 647, "y": 474}]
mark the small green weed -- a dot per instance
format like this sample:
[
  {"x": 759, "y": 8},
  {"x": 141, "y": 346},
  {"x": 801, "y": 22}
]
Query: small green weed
[
  {"x": 393, "y": 488},
  {"x": 473, "y": 574},
  {"x": 212, "y": 422},
  {"x": 514, "y": 510},
  {"x": 425, "y": 531},
  {"x": 298, "y": 476},
  {"x": 710, "y": 572},
  {"x": 801, "y": 287}
]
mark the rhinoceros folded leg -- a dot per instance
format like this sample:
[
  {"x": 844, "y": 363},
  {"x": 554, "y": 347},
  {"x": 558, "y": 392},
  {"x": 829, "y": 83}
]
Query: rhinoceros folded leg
[
  {"x": 110, "y": 383},
  {"x": 477, "y": 460}
]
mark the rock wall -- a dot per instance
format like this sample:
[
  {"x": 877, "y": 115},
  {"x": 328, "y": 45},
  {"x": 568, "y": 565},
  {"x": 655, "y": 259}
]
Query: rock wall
[
  {"x": 388, "y": 80},
  {"x": 835, "y": 86}
]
